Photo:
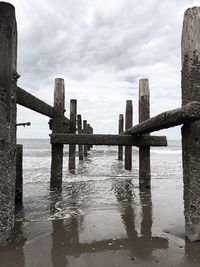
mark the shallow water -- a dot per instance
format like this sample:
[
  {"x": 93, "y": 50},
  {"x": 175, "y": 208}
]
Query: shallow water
[{"x": 100, "y": 217}]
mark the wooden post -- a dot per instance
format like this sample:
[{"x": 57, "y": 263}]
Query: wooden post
[
  {"x": 121, "y": 129},
  {"x": 144, "y": 151},
  {"x": 128, "y": 124},
  {"x": 19, "y": 174},
  {"x": 72, "y": 148},
  {"x": 191, "y": 131},
  {"x": 57, "y": 127},
  {"x": 92, "y": 131},
  {"x": 80, "y": 147},
  {"x": 85, "y": 131},
  {"x": 88, "y": 132},
  {"x": 8, "y": 78}
]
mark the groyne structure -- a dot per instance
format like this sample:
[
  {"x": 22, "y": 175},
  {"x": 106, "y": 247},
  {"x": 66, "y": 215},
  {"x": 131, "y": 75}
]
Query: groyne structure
[{"x": 64, "y": 130}]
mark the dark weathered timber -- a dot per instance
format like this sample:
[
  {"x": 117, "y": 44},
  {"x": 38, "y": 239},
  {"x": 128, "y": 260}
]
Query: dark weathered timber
[
  {"x": 66, "y": 127},
  {"x": 191, "y": 131},
  {"x": 88, "y": 132},
  {"x": 85, "y": 132},
  {"x": 72, "y": 148},
  {"x": 108, "y": 139},
  {"x": 24, "y": 124},
  {"x": 57, "y": 127},
  {"x": 92, "y": 131},
  {"x": 28, "y": 100},
  {"x": 128, "y": 124},
  {"x": 19, "y": 175},
  {"x": 186, "y": 114},
  {"x": 80, "y": 147},
  {"x": 8, "y": 78},
  {"x": 121, "y": 129},
  {"x": 144, "y": 152}
]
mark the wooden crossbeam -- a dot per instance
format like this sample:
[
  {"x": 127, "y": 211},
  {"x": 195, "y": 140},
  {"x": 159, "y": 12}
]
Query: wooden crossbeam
[
  {"x": 108, "y": 139},
  {"x": 28, "y": 100},
  {"x": 171, "y": 118}
]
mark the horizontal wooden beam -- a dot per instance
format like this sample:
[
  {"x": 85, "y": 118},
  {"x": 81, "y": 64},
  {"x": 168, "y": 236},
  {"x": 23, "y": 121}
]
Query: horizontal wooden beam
[
  {"x": 186, "y": 114},
  {"x": 28, "y": 100},
  {"x": 108, "y": 139}
]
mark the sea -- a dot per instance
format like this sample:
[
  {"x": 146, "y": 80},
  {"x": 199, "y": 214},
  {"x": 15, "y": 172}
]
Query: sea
[
  {"x": 100, "y": 167},
  {"x": 100, "y": 216}
]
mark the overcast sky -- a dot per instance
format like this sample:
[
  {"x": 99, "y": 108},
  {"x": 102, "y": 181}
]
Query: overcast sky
[{"x": 101, "y": 48}]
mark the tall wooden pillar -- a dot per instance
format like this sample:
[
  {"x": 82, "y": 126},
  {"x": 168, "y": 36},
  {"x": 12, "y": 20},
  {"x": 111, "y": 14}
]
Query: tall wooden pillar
[
  {"x": 72, "y": 148},
  {"x": 8, "y": 78},
  {"x": 19, "y": 175},
  {"x": 128, "y": 124},
  {"x": 191, "y": 131},
  {"x": 57, "y": 127},
  {"x": 85, "y": 147},
  {"x": 80, "y": 131},
  {"x": 121, "y": 129},
  {"x": 144, "y": 151}
]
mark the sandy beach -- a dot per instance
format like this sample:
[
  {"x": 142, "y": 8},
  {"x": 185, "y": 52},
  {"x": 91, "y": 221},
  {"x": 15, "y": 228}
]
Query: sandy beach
[
  {"x": 101, "y": 218},
  {"x": 125, "y": 228}
]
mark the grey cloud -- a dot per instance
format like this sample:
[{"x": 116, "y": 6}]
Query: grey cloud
[{"x": 101, "y": 48}]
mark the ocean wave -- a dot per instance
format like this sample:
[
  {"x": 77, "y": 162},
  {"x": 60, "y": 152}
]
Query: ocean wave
[{"x": 168, "y": 152}]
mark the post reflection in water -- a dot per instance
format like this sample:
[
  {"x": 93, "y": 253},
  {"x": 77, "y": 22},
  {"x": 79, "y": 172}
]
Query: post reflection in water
[
  {"x": 140, "y": 245},
  {"x": 65, "y": 232}
]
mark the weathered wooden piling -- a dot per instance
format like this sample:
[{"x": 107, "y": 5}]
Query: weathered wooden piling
[
  {"x": 191, "y": 131},
  {"x": 144, "y": 151},
  {"x": 19, "y": 175},
  {"x": 128, "y": 124},
  {"x": 121, "y": 129},
  {"x": 8, "y": 78},
  {"x": 88, "y": 132},
  {"x": 85, "y": 147},
  {"x": 72, "y": 148},
  {"x": 57, "y": 127},
  {"x": 80, "y": 147},
  {"x": 92, "y": 131}
]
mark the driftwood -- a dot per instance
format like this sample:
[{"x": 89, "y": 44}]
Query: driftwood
[
  {"x": 174, "y": 117},
  {"x": 108, "y": 139}
]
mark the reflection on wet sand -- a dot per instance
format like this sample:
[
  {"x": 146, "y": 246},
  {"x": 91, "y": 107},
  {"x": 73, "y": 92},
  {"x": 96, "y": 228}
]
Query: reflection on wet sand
[
  {"x": 124, "y": 230},
  {"x": 65, "y": 233},
  {"x": 142, "y": 245}
]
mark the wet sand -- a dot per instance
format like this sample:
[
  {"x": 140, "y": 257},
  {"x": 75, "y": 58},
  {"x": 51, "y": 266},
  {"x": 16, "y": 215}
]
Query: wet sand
[{"x": 108, "y": 222}]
